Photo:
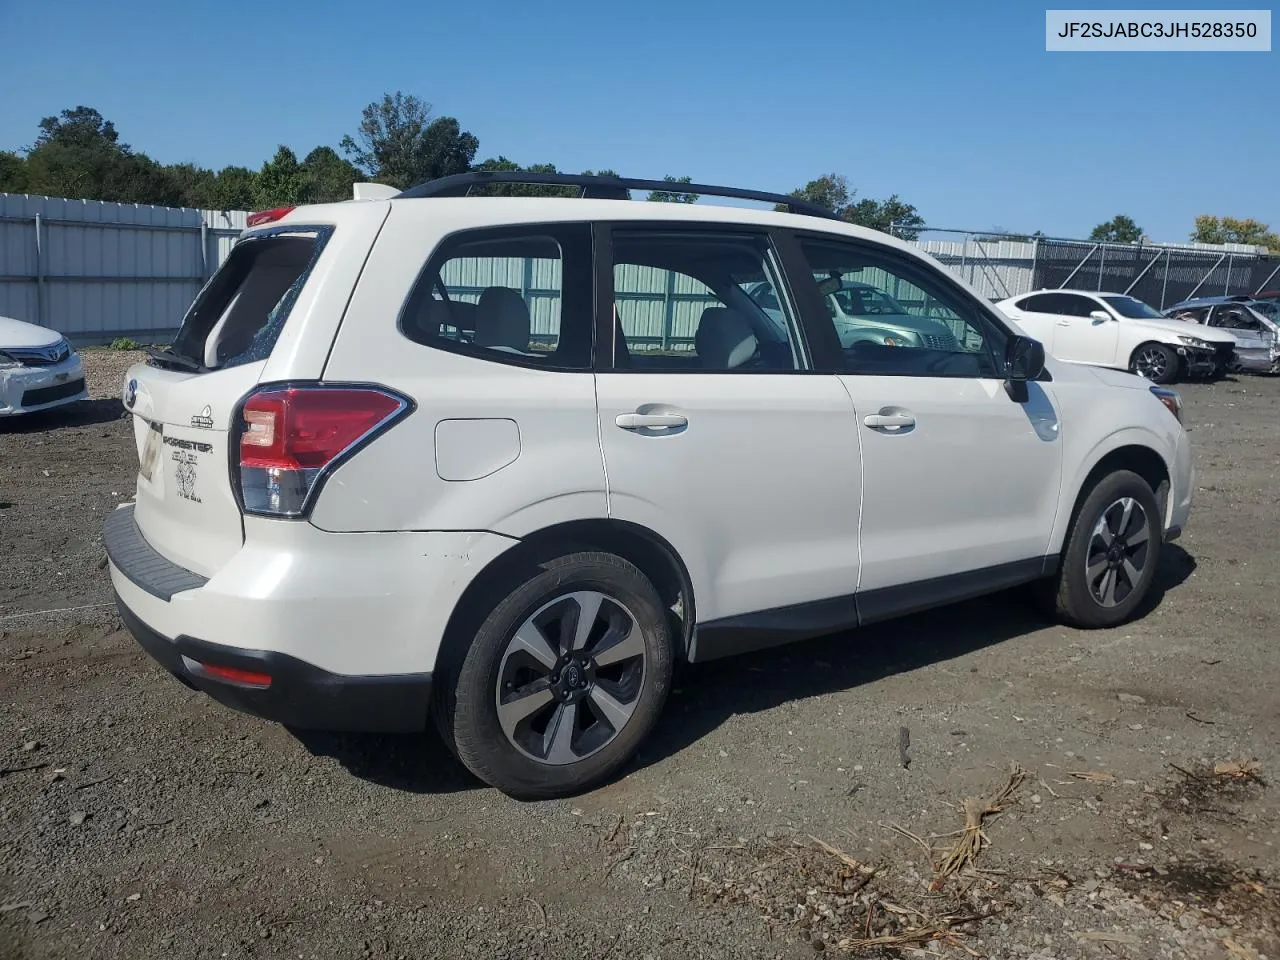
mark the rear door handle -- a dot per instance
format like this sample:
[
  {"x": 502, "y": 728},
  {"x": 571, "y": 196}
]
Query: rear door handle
[
  {"x": 890, "y": 420},
  {"x": 640, "y": 421},
  {"x": 1064, "y": 323}
]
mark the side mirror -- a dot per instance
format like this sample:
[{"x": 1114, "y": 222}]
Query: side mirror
[
  {"x": 1100, "y": 316},
  {"x": 1023, "y": 361}
]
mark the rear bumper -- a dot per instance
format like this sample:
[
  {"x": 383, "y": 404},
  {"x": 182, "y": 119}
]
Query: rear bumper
[
  {"x": 347, "y": 626},
  {"x": 300, "y": 694}
]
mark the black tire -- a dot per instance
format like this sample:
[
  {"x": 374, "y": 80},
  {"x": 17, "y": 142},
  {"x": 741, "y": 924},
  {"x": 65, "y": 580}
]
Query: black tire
[
  {"x": 1162, "y": 367},
  {"x": 466, "y": 704},
  {"x": 1071, "y": 593}
]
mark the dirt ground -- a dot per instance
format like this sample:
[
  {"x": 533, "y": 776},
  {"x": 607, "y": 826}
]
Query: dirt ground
[{"x": 140, "y": 820}]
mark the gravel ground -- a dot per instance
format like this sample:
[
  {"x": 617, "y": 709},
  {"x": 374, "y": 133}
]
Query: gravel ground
[{"x": 140, "y": 820}]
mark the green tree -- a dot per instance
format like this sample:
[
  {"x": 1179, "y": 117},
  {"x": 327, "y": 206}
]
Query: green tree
[
  {"x": 1119, "y": 229},
  {"x": 832, "y": 191},
  {"x": 79, "y": 154},
  {"x": 663, "y": 196},
  {"x": 281, "y": 182},
  {"x": 233, "y": 188},
  {"x": 328, "y": 178},
  {"x": 398, "y": 142},
  {"x": 194, "y": 183},
  {"x": 1211, "y": 229},
  {"x": 888, "y": 216},
  {"x": 13, "y": 173}
]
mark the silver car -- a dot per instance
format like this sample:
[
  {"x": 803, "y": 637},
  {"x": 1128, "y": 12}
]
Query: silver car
[
  {"x": 862, "y": 312},
  {"x": 1249, "y": 322}
]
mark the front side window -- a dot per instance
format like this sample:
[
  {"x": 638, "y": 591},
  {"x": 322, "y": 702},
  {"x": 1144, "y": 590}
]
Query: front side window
[
  {"x": 1190, "y": 315},
  {"x": 903, "y": 318},
  {"x": 1133, "y": 308},
  {"x": 1074, "y": 305},
  {"x": 519, "y": 296},
  {"x": 699, "y": 303},
  {"x": 1234, "y": 318}
]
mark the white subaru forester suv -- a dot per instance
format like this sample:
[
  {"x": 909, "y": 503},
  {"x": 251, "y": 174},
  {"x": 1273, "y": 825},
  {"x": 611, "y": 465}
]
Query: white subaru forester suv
[{"x": 504, "y": 461}]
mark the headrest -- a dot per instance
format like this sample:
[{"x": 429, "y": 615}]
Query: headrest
[
  {"x": 502, "y": 319},
  {"x": 724, "y": 339}
]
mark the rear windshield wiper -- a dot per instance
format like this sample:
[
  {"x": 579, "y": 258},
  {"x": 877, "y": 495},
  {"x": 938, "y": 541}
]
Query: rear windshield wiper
[{"x": 176, "y": 361}]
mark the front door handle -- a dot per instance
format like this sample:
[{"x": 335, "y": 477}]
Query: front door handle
[
  {"x": 878, "y": 420},
  {"x": 641, "y": 421}
]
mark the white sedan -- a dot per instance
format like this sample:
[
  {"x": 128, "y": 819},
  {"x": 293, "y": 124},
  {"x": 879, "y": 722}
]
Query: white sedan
[
  {"x": 1116, "y": 330},
  {"x": 38, "y": 369}
]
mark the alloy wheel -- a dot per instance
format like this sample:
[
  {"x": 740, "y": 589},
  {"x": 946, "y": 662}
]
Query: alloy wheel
[
  {"x": 570, "y": 677},
  {"x": 1151, "y": 363},
  {"x": 1118, "y": 551}
]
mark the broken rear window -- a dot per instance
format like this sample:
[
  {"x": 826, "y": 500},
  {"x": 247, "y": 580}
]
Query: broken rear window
[{"x": 238, "y": 316}]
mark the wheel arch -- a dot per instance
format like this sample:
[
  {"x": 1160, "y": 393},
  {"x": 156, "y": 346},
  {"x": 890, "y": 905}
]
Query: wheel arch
[
  {"x": 1130, "y": 450},
  {"x": 649, "y": 551}
]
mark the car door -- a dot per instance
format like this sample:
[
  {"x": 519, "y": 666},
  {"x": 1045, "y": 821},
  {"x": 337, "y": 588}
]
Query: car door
[
  {"x": 1082, "y": 338},
  {"x": 716, "y": 434},
  {"x": 959, "y": 482},
  {"x": 1253, "y": 342},
  {"x": 1038, "y": 316}
]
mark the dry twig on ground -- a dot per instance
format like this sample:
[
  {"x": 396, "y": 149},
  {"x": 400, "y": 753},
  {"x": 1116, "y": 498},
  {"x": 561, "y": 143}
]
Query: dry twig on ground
[{"x": 973, "y": 839}]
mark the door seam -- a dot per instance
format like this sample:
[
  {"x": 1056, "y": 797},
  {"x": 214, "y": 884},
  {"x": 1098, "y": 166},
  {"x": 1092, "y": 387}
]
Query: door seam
[{"x": 862, "y": 475}]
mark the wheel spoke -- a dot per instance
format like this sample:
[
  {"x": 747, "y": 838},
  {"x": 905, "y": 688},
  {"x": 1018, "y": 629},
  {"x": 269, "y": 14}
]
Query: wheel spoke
[
  {"x": 560, "y": 734},
  {"x": 1132, "y": 573},
  {"x": 588, "y": 611},
  {"x": 522, "y": 706},
  {"x": 1109, "y": 588},
  {"x": 628, "y": 645},
  {"x": 1103, "y": 531},
  {"x": 530, "y": 639},
  {"x": 1095, "y": 570},
  {"x": 1125, "y": 515},
  {"x": 1138, "y": 537},
  {"x": 616, "y": 714}
]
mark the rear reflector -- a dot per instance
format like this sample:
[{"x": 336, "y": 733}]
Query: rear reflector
[
  {"x": 268, "y": 216},
  {"x": 290, "y": 437},
  {"x": 245, "y": 678}
]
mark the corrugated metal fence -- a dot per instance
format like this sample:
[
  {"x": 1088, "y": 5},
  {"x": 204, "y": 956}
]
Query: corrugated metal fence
[{"x": 96, "y": 271}]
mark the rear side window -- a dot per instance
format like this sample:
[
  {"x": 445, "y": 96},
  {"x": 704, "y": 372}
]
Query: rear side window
[
  {"x": 514, "y": 295},
  {"x": 1062, "y": 304},
  {"x": 237, "y": 318},
  {"x": 1040, "y": 303}
]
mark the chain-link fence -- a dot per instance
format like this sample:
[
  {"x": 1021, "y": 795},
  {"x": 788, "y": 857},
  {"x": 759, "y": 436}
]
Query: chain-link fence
[{"x": 1005, "y": 265}]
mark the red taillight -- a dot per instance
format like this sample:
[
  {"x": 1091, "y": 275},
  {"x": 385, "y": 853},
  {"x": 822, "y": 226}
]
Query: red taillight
[
  {"x": 268, "y": 216},
  {"x": 246, "y": 678},
  {"x": 289, "y": 435}
]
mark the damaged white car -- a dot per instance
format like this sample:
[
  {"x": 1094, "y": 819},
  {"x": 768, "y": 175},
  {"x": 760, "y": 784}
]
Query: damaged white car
[{"x": 38, "y": 369}]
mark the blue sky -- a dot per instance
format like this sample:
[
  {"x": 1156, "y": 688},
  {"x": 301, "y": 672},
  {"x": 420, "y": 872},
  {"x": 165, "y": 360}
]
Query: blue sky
[{"x": 955, "y": 106}]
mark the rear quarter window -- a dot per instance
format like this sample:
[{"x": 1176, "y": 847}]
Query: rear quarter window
[
  {"x": 239, "y": 315},
  {"x": 519, "y": 296}
]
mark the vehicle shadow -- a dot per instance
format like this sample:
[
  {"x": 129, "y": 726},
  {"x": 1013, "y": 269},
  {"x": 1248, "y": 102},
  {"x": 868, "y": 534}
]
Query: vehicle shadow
[
  {"x": 714, "y": 692},
  {"x": 411, "y": 762},
  {"x": 86, "y": 413}
]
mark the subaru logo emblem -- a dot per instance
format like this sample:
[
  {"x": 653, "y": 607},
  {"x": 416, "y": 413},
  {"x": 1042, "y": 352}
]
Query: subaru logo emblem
[{"x": 130, "y": 393}]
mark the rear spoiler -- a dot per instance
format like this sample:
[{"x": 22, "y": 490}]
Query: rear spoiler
[{"x": 373, "y": 191}]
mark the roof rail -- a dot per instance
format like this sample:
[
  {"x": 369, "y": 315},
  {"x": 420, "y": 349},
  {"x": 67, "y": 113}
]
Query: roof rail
[{"x": 603, "y": 188}]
